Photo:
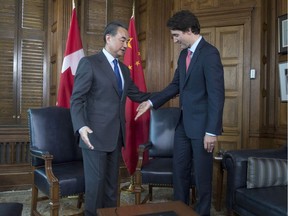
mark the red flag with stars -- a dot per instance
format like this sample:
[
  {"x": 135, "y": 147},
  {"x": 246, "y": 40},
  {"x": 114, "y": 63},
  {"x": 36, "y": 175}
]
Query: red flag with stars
[{"x": 137, "y": 132}]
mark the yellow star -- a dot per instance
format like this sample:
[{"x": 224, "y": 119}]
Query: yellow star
[
  {"x": 130, "y": 67},
  {"x": 137, "y": 63},
  {"x": 129, "y": 42}
]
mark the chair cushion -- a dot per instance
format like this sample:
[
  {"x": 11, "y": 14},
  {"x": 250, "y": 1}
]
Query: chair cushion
[
  {"x": 158, "y": 171},
  {"x": 270, "y": 201},
  {"x": 70, "y": 176},
  {"x": 266, "y": 172},
  {"x": 11, "y": 209}
]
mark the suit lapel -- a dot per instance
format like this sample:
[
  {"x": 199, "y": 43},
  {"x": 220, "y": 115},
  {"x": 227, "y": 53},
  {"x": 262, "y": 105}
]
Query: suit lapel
[
  {"x": 108, "y": 71},
  {"x": 125, "y": 75},
  {"x": 194, "y": 60}
]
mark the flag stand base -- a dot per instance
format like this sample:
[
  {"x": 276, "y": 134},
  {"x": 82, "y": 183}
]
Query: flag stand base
[{"x": 131, "y": 187}]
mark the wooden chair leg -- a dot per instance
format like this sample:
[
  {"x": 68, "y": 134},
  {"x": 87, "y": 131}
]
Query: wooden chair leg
[
  {"x": 34, "y": 199},
  {"x": 80, "y": 200},
  {"x": 138, "y": 187},
  {"x": 54, "y": 199},
  {"x": 54, "y": 208}
]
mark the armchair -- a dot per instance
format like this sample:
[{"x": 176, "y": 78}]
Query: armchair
[
  {"x": 157, "y": 172},
  {"x": 56, "y": 159}
]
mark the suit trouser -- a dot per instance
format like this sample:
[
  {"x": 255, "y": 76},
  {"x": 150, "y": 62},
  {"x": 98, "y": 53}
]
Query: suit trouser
[
  {"x": 186, "y": 150},
  {"x": 101, "y": 179}
]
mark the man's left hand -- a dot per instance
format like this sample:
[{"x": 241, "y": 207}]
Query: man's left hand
[{"x": 209, "y": 142}]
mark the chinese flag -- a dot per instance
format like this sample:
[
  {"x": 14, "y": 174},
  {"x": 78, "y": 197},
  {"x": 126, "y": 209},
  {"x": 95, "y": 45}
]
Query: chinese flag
[
  {"x": 137, "y": 132},
  {"x": 73, "y": 53}
]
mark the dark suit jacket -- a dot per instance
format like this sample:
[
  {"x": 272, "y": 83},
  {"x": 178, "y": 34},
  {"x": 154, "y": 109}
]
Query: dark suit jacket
[
  {"x": 201, "y": 91},
  {"x": 96, "y": 103}
]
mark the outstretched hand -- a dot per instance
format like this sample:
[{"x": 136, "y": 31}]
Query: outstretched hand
[{"x": 142, "y": 108}]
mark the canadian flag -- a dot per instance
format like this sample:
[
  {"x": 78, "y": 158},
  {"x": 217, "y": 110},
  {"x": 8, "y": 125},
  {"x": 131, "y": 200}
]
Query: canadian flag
[{"x": 73, "y": 53}]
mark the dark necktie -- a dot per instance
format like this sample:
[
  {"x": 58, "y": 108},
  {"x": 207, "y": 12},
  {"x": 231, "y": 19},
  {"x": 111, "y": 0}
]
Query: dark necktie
[
  {"x": 188, "y": 59},
  {"x": 118, "y": 77}
]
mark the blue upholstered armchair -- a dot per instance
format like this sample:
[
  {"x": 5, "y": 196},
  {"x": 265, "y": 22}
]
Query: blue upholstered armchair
[
  {"x": 57, "y": 168},
  {"x": 157, "y": 172}
]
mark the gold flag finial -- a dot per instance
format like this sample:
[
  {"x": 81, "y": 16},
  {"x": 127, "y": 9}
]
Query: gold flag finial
[{"x": 133, "y": 8}]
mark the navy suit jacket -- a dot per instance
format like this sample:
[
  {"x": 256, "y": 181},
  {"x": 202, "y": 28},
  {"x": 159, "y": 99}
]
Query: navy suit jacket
[
  {"x": 96, "y": 103},
  {"x": 201, "y": 91}
]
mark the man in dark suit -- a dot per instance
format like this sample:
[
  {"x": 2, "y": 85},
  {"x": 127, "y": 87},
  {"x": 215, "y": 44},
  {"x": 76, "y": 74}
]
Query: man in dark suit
[
  {"x": 201, "y": 89},
  {"x": 98, "y": 100}
]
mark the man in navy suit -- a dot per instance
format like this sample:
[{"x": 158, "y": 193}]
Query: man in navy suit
[
  {"x": 201, "y": 90},
  {"x": 101, "y": 87}
]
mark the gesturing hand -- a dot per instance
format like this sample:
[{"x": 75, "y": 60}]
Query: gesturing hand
[
  {"x": 142, "y": 108},
  {"x": 84, "y": 136}
]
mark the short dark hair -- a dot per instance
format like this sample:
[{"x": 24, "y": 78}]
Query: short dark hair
[
  {"x": 183, "y": 20},
  {"x": 112, "y": 28}
]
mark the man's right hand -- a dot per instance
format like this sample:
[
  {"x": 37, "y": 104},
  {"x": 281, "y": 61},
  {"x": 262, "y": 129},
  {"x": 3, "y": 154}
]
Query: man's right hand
[
  {"x": 142, "y": 108},
  {"x": 84, "y": 136}
]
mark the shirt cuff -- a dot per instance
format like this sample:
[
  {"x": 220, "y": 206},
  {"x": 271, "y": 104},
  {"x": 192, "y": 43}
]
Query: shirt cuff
[
  {"x": 210, "y": 134},
  {"x": 150, "y": 103}
]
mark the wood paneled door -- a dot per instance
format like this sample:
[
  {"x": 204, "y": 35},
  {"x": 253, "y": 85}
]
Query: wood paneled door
[{"x": 229, "y": 41}]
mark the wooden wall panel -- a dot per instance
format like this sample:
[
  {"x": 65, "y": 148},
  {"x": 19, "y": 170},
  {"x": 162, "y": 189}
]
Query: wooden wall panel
[
  {"x": 141, "y": 25},
  {"x": 15, "y": 170},
  {"x": 95, "y": 20},
  {"x": 281, "y": 107},
  {"x": 7, "y": 107},
  {"x": 95, "y": 16},
  {"x": 157, "y": 49}
]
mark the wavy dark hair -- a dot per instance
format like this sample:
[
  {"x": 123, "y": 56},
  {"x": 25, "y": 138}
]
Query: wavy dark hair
[{"x": 183, "y": 20}]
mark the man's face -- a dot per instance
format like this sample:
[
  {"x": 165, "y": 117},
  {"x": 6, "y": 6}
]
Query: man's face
[
  {"x": 116, "y": 45},
  {"x": 181, "y": 38}
]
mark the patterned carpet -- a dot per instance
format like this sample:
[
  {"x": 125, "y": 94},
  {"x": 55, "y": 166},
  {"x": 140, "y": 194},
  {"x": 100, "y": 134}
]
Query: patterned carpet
[{"x": 68, "y": 205}]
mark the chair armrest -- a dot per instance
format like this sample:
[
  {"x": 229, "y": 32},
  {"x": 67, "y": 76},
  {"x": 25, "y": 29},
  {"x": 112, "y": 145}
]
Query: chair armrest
[
  {"x": 144, "y": 147},
  {"x": 235, "y": 162},
  {"x": 38, "y": 156},
  {"x": 47, "y": 158},
  {"x": 35, "y": 152}
]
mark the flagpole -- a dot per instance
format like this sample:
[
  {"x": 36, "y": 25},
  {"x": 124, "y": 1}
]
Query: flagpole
[
  {"x": 133, "y": 8},
  {"x": 131, "y": 187},
  {"x": 73, "y": 4}
]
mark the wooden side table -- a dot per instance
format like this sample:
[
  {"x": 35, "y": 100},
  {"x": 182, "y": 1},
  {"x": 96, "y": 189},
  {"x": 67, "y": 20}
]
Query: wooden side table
[
  {"x": 219, "y": 182},
  {"x": 178, "y": 207}
]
